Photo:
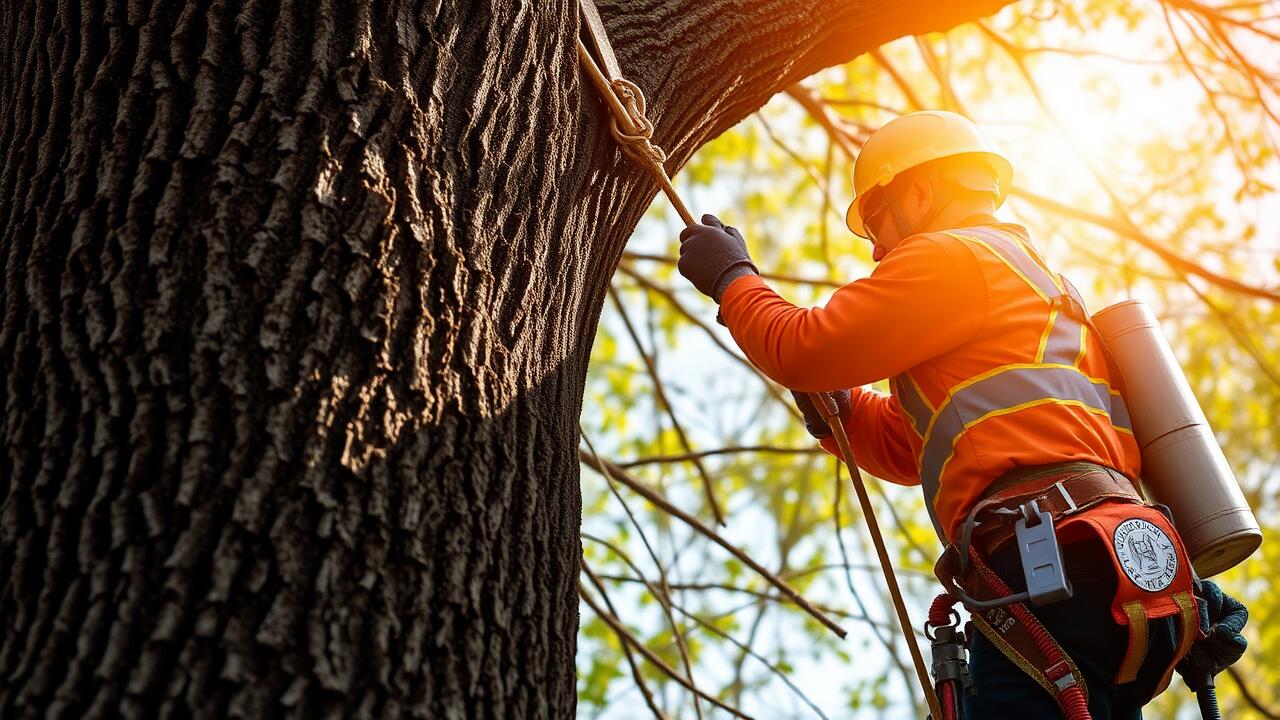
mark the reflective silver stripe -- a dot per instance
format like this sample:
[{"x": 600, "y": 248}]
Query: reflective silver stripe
[
  {"x": 1064, "y": 341},
  {"x": 917, "y": 409},
  {"x": 1017, "y": 257},
  {"x": 1063, "y": 345},
  {"x": 1011, "y": 390},
  {"x": 1120, "y": 413}
]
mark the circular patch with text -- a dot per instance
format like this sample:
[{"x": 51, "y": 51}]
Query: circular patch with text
[{"x": 1146, "y": 554}]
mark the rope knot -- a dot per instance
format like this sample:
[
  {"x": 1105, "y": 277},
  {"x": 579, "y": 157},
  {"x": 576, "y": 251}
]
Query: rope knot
[{"x": 638, "y": 144}]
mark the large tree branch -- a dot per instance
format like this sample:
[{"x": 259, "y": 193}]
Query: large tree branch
[{"x": 704, "y": 65}]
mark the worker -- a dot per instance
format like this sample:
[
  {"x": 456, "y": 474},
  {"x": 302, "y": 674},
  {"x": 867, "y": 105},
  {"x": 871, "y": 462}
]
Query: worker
[{"x": 1001, "y": 395}]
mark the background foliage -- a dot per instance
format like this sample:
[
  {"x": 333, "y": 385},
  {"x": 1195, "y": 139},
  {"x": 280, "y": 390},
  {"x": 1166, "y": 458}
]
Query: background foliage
[{"x": 1144, "y": 139}]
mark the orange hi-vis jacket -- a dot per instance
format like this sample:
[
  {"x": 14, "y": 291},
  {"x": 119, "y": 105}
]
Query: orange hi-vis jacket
[{"x": 990, "y": 364}]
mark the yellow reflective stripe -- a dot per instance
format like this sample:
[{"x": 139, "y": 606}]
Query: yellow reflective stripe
[
  {"x": 1035, "y": 256},
  {"x": 1044, "y": 336},
  {"x": 919, "y": 393},
  {"x": 1016, "y": 270},
  {"x": 942, "y": 469},
  {"x": 1080, "y": 356}
]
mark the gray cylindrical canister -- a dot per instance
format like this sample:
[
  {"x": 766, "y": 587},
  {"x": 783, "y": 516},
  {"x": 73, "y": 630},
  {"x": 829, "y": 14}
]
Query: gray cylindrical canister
[{"x": 1182, "y": 464}]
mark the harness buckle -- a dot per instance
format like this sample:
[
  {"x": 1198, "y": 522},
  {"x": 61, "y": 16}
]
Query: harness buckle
[
  {"x": 1064, "y": 677},
  {"x": 1066, "y": 496}
]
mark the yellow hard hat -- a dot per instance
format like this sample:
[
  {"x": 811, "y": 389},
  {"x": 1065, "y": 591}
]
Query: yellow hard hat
[{"x": 915, "y": 139}]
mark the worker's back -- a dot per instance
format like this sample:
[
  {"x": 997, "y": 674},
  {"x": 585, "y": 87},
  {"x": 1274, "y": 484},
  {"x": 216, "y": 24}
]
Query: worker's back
[{"x": 1031, "y": 387}]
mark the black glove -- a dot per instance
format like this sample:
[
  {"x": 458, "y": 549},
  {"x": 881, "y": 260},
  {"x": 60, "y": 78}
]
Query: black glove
[
  {"x": 712, "y": 255},
  {"x": 813, "y": 421},
  {"x": 1222, "y": 618}
]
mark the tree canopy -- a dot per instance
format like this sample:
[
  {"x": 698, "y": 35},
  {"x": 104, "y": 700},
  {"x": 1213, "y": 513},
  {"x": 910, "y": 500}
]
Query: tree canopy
[{"x": 1144, "y": 139}]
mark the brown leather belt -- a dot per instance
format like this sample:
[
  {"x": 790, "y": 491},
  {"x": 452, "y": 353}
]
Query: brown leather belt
[{"x": 1060, "y": 489}]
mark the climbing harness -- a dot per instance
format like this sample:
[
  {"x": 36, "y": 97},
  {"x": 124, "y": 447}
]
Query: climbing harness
[{"x": 634, "y": 132}]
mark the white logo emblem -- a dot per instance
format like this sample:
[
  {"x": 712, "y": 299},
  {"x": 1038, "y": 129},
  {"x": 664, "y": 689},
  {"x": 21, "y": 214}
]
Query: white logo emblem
[{"x": 1146, "y": 554}]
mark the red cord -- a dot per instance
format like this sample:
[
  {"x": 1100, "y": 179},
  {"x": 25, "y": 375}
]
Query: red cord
[
  {"x": 949, "y": 710},
  {"x": 939, "y": 616},
  {"x": 940, "y": 610},
  {"x": 1071, "y": 701}
]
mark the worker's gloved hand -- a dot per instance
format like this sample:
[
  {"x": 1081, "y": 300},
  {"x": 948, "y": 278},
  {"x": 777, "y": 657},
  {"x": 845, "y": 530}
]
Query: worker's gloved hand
[
  {"x": 1222, "y": 618},
  {"x": 712, "y": 255},
  {"x": 813, "y": 421}
]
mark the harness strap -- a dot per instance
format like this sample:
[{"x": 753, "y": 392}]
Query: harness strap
[
  {"x": 1189, "y": 630},
  {"x": 1085, "y": 485},
  {"x": 1137, "y": 651},
  {"x": 1018, "y": 634}
]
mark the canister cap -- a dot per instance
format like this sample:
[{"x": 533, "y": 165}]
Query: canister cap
[
  {"x": 1226, "y": 552},
  {"x": 1123, "y": 317}
]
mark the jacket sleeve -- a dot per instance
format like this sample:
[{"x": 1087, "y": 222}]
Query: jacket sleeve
[
  {"x": 927, "y": 297},
  {"x": 878, "y": 436}
]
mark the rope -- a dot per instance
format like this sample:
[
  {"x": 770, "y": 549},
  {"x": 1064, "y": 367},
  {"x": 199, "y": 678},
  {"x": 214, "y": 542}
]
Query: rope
[
  {"x": 1071, "y": 701},
  {"x": 631, "y": 127},
  {"x": 633, "y": 130}
]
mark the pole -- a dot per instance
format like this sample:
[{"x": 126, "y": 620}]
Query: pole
[{"x": 831, "y": 413}]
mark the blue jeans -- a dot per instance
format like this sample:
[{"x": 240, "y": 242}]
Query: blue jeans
[{"x": 1083, "y": 626}]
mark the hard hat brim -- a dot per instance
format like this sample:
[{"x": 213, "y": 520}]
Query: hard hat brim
[{"x": 853, "y": 219}]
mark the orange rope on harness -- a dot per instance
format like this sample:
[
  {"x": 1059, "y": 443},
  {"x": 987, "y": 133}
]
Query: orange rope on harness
[{"x": 634, "y": 132}]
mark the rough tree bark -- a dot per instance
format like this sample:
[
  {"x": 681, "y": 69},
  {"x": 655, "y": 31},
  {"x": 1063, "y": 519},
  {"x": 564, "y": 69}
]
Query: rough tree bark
[{"x": 297, "y": 305}]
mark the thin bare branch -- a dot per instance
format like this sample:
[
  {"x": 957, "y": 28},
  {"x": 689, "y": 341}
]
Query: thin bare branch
[
  {"x": 647, "y": 284},
  {"x": 600, "y": 464},
  {"x": 659, "y": 389},
  {"x": 626, "y": 650},
  {"x": 747, "y": 649},
  {"x": 772, "y": 449},
  {"x": 668, "y": 260},
  {"x": 1249, "y": 697},
  {"x": 627, "y": 637},
  {"x": 664, "y": 597},
  {"x": 857, "y": 597},
  {"x": 909, "y": 93}
]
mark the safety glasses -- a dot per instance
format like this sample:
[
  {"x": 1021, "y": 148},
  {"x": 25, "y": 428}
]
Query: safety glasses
[{"x": 879, "y": 199}]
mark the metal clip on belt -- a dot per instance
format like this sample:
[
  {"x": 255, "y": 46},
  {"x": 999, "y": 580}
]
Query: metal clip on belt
[
  {"x": 1042, "y": 564},
  {"x": 1041, "y": 556}
]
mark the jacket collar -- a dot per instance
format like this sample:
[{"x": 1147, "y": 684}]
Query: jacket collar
[{"x": 979, "y": 219}]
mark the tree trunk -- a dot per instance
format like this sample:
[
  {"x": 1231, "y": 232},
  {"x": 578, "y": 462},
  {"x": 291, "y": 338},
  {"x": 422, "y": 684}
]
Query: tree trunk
[{"x": 297, "y": 305}]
